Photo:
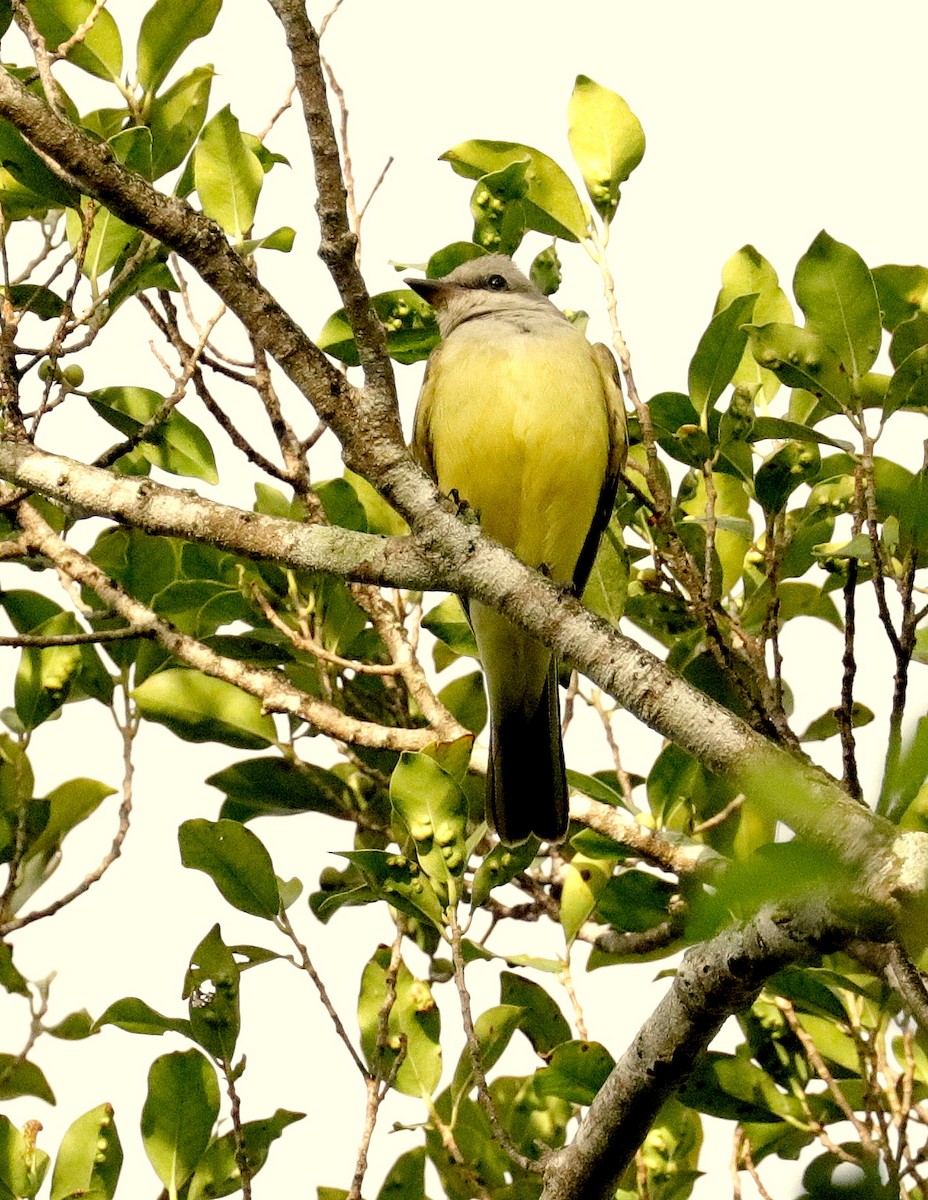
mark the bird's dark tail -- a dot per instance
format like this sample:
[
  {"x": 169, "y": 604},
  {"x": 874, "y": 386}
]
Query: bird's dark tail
[{"x": 526, "y": 775}]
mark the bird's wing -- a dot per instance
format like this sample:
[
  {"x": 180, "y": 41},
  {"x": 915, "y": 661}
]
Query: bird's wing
[
  {"x": 422, "y": 449},
  {"x": 618, "y": 449}
]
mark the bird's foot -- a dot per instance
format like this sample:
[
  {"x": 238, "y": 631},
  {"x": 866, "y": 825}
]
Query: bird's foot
[{"x": 461, "y": 509}]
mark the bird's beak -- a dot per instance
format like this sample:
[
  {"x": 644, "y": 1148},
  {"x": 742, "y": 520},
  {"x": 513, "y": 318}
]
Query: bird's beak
[{"x": 429, "y": 289}]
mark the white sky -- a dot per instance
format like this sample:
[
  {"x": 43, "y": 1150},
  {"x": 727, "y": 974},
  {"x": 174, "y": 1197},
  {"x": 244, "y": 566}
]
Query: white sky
[{"x": 765, "y": 123}]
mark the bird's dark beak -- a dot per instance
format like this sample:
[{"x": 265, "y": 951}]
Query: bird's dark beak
[{"x": 428, "y": 289}]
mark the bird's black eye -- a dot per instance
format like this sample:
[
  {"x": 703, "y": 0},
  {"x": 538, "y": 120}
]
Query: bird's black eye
[{"x": 496, "y": 283}]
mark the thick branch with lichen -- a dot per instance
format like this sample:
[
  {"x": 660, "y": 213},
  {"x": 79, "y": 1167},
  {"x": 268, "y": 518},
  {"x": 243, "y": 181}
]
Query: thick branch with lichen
[{"x": 715, "y": 979}]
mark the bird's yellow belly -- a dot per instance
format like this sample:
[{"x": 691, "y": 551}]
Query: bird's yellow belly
[{"x": 520, "y": 431}]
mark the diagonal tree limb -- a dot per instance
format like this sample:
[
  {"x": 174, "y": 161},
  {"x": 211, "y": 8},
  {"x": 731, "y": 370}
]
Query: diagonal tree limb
[
  {"x": 714, "y": 980},
  {"x": 452, "y": 555},
  {"x": 274, "y": 690}
]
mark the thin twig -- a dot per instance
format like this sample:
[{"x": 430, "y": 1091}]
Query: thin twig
[
  {"x": 241, "y": 1157},
  {"x": 282, "y": 922},
  {"x": 377, "y": 1084},
  {"x": 473, "y": 1045},
  {"x": 567, "y": 981},
  {"x": 128, "y": 728},
  {"x": 821, "y": 1069},
  {"x": 43, "y": 641}
]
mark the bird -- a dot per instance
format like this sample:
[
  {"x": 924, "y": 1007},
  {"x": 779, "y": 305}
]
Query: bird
[{"x": 521, "y": 419}]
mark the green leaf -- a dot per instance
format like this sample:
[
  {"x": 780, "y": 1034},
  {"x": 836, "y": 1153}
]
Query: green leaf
[
  {"x": 498, "y": 867},
  {"x": 135, "y": 1016},
  {"x": 827, "y": 725},
  {"x": 831, "y": 1041},
  {"x": 447, "y": 622},
  {"x": 732, "y": 1087},
  {"x": 132, "y": 148},
  {"x": 583, "y": 883},
  {"x": 747, "y": 273},
  {"x": 178, "y": 1116},
  {"x": 200, "y": 606},
  {"x": 500, "y": 219},
  {"x": 281, "y": 787},
  {"x": 786, "y": 469},
  {"x": 19, "y": 1077},
  {"x": 89, "y": 1158},
  {"x": 444, "y": 261},
  {"x": 22, "y": 1165},
  {"x": 793, "y": 600},
  {"x": 69, "y": 804},
  {"x": 342, "y": 506},
  {"x": 100, "y": 50},
  {"x": 341, "y": 889},
  {"x": 413, "y": 1016},
  {"x": 719, "y": 352},
  {"x": 105, "y": 123},
  {"x": 218, "y": 1172},
  {"x": 607, "y": 587},
  {"x": 381, "y": 517},
  {"x": 909, "y": 336},
  {"x": 199, "y": 708},
  {"x": 551, "y": 204},
  {"x": 576, "y": 1072},
  {"x": 494, "y": 1029},
  {"x": 465, "y": 698},
  {"x": 902, "y": 292},
  {"x": 432, "y": 806},
  {"x": 236, "y": 861},
  {"x": 65, "y": 807},
  {"x": 141, "y": 563},
  {"x": 177, "y": 117},
  {"x": 905, "y": 773},
  {"x": 281, "y": 239},
  {"x": 801, "y": 359},
  {"x": 10, "y": 978},
  {"x": 151, "y": 274},
  {"x": 45, "y": 676},
  {"x": 395, "y": 879},
  {"x": 31, "y": 297},
  {"x": 606, "y": 140},
  {"x": 776, "y": 427},
  {"x": 908, "y": 387},
  {"x": 211, "y": 988},
  {"x": 110, "y": 236},
  {"x": 409, "y": 322},
  {"x": 406, "y": 1178},
  {"x": 27, "y": 185},
  {"x": 836, "y": 292},
  {"x": 826, "y": 1177},
  {"x": 228, "y": 175},
  {"x": 542, "y": 1022},
  {"x": 634, "y": 901},
  {"x": 175, "y": 444},
  {"x": 545, "y": 271},
  {"x": 168, "y": 28},
  {"x": 597, "y": 788}
]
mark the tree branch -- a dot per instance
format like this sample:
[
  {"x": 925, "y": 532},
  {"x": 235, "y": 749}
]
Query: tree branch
[
  {"x": 275, "y": 692},
  {"x": 339, "y": 243},
  {"x": 448, "y": 554},
  {"x": 714, "y": 980}
]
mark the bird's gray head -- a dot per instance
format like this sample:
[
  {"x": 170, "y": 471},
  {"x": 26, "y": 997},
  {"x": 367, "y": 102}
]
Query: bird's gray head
[{"x": 491, "y": 285}]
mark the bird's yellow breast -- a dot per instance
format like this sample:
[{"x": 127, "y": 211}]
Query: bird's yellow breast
[{"x": 516, "y": 422}]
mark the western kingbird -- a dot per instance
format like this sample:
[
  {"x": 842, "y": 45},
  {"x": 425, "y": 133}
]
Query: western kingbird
[{"x": 523, "y": 419}]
